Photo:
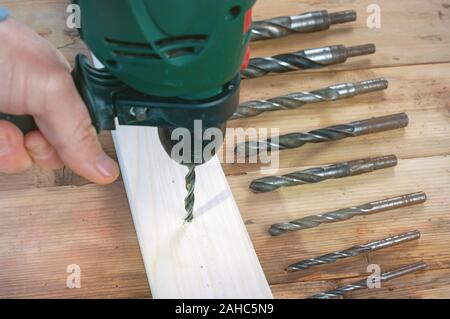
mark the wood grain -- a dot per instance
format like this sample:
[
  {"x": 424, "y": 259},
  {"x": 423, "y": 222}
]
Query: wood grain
[
  {"x": 211, "y": 257},
  {"x": 42, "y": 231},
  {"x": 413, "y": 53}
]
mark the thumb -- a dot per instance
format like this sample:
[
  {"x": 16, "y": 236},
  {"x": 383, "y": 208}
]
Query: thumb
[{"x": 65, "y": 122}]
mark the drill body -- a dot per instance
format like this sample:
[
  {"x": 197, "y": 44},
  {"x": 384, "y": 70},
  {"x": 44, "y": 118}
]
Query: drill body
[{"x": 168, "y": 63}]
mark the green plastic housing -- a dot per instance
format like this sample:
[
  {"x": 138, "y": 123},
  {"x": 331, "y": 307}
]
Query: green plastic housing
[{"x": 168, "y": 48}]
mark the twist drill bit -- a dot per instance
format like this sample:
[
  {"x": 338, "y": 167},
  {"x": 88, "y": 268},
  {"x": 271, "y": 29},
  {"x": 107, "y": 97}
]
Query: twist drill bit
[
  {"x": 190, "y": 197},
  {"x": 332, "y": 133},
  {"x": 302, "y": 23},
  {"x": 296, "y": 100},
  {"x": 362, "y": 284},
  {"x": 302, "y": 60},
  {"x": 319, "y": 174},
  {"x": 355, "y": 251},
  {"x": 348, "y": 213}
]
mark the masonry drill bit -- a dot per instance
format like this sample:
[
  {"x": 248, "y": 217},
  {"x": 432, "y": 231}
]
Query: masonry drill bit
[
  {"x": 297, "y": 100},
  {"x": 332, "y": 133},
  {"x": 355, "y": 251},
  {"x": 302, "y": 60},
  {"x": 302, "y": 23},
  {"x": 348, "y": 213},
  {"x": 362, "y": 284},
  {"x": 320, "y": 174},
  {"x": 190, "y": 197}
]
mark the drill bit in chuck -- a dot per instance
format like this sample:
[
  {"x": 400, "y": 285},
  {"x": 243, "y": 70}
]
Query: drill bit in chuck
[
  {"x": 302, "y": 60},
  {"x": 341, "y": 291},
  {"x": 190, "y": 197},
  {"x": 355, "y": 251},
  {"x": 332, "y": 133},
  {"x": 296, "y": 100},
  {"x": 302, "y": 23},
  {"x": 348, "y": 213},
  {"x": 319, "y": 174}
]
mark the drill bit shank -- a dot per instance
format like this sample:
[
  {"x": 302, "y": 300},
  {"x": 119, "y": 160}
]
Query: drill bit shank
[
  {"x": 319, "y": 174},
  {"x": 362, "y": 284},
  {"x": 302, "y": 23},
  {"x": 302, "y": 60},
  {"x": 348, "y": 213},
  {"x": 355, "y": 251},
  {"x": 297, "y": 100},
  {"x": 332, "y": 133}
]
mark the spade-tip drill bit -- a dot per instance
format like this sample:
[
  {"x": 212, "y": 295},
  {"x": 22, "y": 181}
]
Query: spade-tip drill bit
[
  {"x": 348, "y": 213},
  {"x": 332, "y": 133},
  {"x": 303, "y": 23},
  {"x": 298, "y": 99},
  {"x": 190, "y": 197},
  {"x": 355, "y": 251},
  {"x": 319, "y": 174},
  {"x": 362, "y": 284},
  {"x": 302, "y": 60}
]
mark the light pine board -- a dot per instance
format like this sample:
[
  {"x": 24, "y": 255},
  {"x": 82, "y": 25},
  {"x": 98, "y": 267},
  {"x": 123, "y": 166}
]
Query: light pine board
[
  {"x": 73, "y": 221},
  {"x": 212, "y": 257}
]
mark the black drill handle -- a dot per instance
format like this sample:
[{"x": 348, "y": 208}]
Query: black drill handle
[{"x": 24, "y": 122}]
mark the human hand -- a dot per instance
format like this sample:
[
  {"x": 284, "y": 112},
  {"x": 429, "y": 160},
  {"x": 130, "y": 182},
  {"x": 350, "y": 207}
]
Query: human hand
[{"x": 36, "y": 81}]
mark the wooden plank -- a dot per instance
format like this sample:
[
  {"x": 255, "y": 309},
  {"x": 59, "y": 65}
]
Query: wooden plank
[
  {"x": 212, "y": 257},
  {"x": 42, "y": 231}
]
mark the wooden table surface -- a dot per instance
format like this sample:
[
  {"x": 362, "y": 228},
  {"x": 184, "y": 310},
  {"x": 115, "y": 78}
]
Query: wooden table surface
[{"x": 49, "y": 220}]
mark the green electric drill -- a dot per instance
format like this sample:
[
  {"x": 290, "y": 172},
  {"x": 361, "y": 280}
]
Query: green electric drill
[{"x": 168, "y": 64}]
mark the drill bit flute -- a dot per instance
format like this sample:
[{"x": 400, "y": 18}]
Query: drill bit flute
[
  {"x": 348, "y": 213},
  {"x": 355, "y": 251},
  {"x": 362, "y": 284},
  {"x": 332, "y": 133},
  {"x": 302, "y": 60},
  {"x": 319, "y": 174},
  {"x": 302, "y": 23},
  {"x": 190, "y": 197},
  {"x": 297, "y": 100}
]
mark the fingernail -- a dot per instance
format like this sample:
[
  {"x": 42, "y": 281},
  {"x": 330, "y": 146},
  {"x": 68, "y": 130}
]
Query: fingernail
[
  {"x": 106, "y": 166},
  {"x": 4, "y": 13},
  {"x": 5, "y": 145}
]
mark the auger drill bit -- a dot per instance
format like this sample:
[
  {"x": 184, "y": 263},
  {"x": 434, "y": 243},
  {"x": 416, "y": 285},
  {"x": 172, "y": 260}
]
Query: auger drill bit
[
  {"x": 362, "y": 284},
  {"x": 302, "y": 60},
  {"x": 355, "y": 251},
  {"x": 348, "y": 213},
  {"x": 320, "y": 174},
  {"x": 297, "y": 100},
  {"x": 303, "y": 23},
  {"x": 332, "y": 133},
  {"x": 190, "y": 197}
]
